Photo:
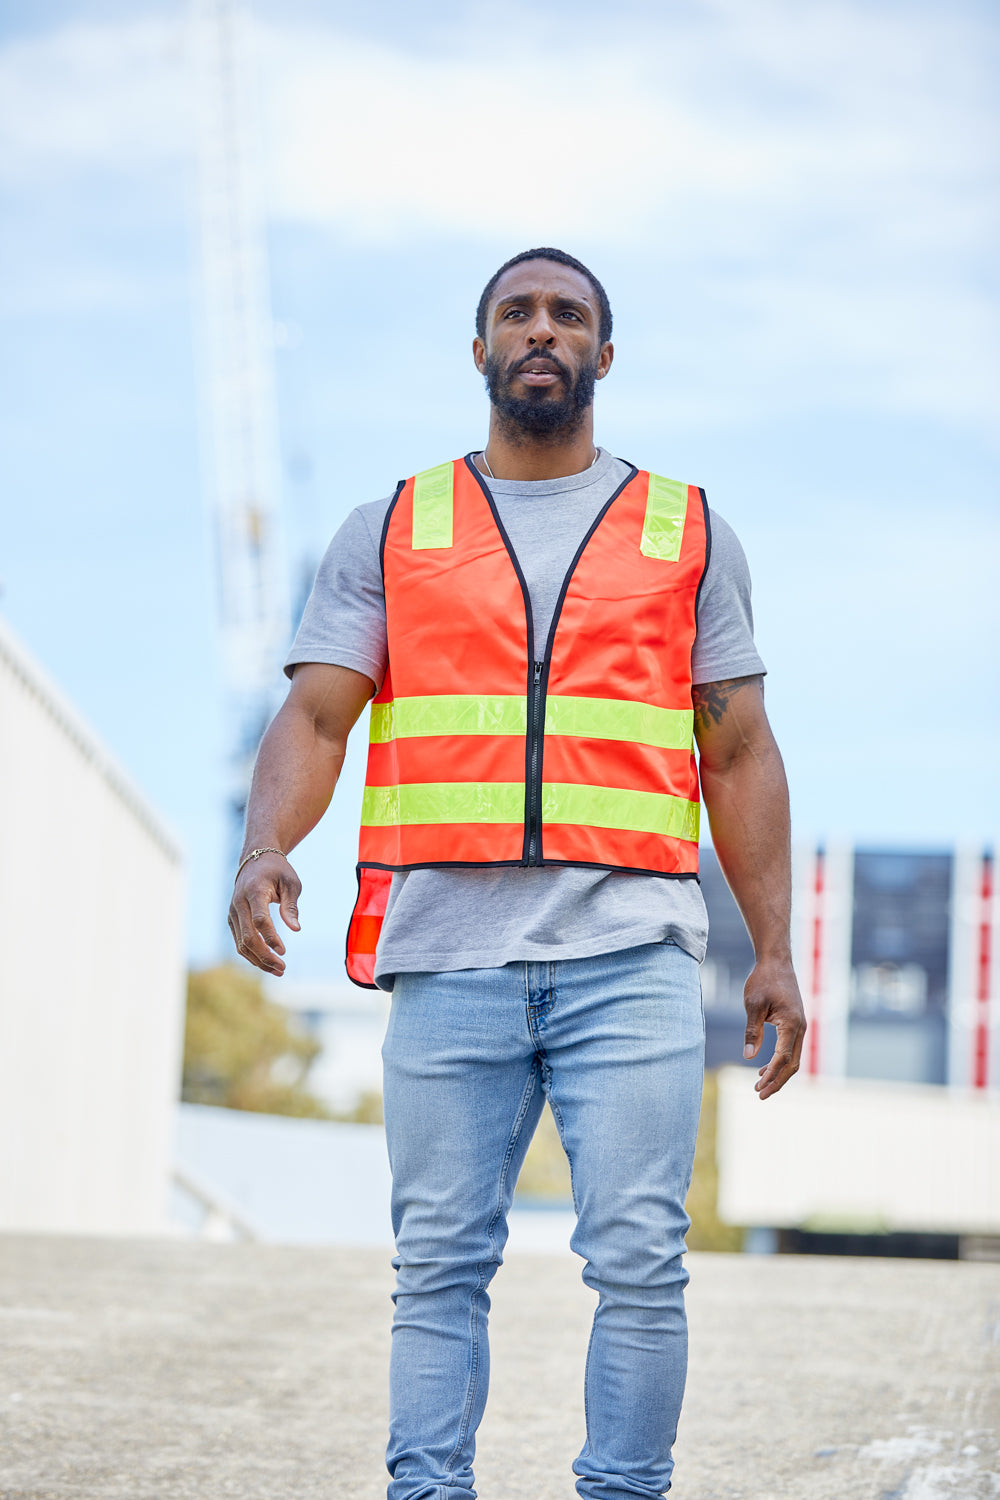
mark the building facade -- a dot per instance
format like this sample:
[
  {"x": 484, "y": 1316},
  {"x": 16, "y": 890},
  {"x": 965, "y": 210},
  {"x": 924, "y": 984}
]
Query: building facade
[
  {"x": 895, "y": 951},
  {"x": 92, "y": 981}
]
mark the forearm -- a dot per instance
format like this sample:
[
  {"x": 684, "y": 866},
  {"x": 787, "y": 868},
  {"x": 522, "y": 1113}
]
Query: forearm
[
  {"x": 747, "y": 805},
  {"x": 294, "y": 778},
  {"x": 298, "y": 764},
  {"x": 746, "y": 795}
]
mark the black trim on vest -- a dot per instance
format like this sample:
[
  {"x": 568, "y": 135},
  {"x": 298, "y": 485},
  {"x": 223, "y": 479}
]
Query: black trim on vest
[
  {"x": 385, "y": 529},
  {"x": 529, "y": 620},
  {"x": 444, "y": 864},
  {"x": 516, "y": 864},
  {"x": 561, "y": 599},
  {"x": 592, "y": 864},
  {"x": 708, "y": 558}
]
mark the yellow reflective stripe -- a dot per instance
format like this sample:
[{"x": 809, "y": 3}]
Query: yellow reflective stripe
[
  {"x": 433, "y": 505},
  {"x": 615, "y": 719},
  {"x": 666, "y": 511},
  {"x": 615, "y": 807},
  {"x": 491, "y": 713},
  {"x": 458, "y": 713},
  {"x": 443, "y": 802},
  {"x": 503, "y": 802}
]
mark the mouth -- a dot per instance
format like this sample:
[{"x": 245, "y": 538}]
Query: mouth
[{"x": 539, "y": 372}]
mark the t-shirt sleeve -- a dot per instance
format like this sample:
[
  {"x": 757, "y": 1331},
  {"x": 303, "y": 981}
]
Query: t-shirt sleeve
[
  {"x": 343, "y": 624},
  {"x": 724, "y": 645}
]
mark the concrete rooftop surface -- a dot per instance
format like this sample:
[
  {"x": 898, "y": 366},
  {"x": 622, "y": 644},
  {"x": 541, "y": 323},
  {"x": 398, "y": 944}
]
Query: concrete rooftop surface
[{"x": 163, "y": 1370}]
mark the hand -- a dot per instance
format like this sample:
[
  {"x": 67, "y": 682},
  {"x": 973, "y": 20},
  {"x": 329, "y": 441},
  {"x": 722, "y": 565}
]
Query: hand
[
  {"x": 261, "y": 883},
  {"x": 772, "y": 994}
]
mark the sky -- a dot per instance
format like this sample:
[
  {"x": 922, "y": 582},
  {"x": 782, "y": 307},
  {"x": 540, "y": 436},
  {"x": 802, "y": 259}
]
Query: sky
[{"x": 794, "y": 210}]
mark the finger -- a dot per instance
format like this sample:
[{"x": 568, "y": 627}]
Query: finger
[
  {"x": 782, "y": 1062},
  {"x": 254, "y": 903},
  {"x": 235, "y": 926},
  {"x": 775, "y": 1075},
  {"x": 289, "y": 905},
  {"x": 254, "y": 951},
  {"x": 260, "y": 916},
  {"x": 249, "y": 943},
  {"x": 785, "y": 1062}
]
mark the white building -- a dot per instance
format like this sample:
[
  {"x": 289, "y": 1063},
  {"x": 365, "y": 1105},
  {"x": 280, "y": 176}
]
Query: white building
[
  {"x": 860, "y": 1156},
  {"x": 91, "y": 992}
]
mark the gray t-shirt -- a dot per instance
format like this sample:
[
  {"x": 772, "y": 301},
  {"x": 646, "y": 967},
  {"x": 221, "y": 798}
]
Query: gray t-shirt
[{"x": 472, "y": 919}]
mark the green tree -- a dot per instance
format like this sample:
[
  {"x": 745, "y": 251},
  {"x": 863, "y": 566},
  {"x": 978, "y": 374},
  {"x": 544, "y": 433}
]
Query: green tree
[
  {"x": 707, "y": 1230},
  {"x": 242, "y": 1051}
]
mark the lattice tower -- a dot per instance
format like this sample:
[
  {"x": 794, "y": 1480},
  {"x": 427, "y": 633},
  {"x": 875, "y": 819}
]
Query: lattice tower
[{"x": 241, "y": 454}]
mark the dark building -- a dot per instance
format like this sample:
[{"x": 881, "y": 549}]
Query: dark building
[
  {"x": 900, "y": 940},
  {"x": 900, "y": 935}
]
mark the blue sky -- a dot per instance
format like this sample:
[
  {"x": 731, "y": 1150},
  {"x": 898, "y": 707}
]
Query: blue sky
[{"x": 794, "y": 211}]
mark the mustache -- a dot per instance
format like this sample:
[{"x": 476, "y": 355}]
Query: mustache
[{"x": 548, "y": 359}]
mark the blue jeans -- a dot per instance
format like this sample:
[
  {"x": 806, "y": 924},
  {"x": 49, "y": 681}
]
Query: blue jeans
[{"x": 616, "y": 1044}]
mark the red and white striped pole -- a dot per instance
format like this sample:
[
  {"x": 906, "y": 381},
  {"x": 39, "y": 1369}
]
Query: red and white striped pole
[
  {"x": 816, "y": 966},
  {"x": 983, "y": 971}
]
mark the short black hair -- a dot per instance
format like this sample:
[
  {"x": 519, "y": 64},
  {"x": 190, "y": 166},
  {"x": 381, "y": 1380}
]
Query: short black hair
[{"x": 546, "y": 252}]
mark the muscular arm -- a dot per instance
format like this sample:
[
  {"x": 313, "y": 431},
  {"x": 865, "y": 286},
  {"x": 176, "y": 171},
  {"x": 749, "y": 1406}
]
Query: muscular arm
[
  {"x": 746, "y": 796},
  {"x": 298, "y": 764}
]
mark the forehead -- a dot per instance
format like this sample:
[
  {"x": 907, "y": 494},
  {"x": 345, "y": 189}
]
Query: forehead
[{"x": 544, "y": 278}]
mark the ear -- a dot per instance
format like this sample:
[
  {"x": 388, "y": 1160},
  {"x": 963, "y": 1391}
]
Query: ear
[
  {"x": 479, "y": 354},
  {"x": 604, "y": 359}
]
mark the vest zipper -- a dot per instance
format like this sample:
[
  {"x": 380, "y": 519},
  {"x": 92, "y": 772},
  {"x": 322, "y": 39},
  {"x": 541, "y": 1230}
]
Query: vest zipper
[{"x": 534, "y": 782}]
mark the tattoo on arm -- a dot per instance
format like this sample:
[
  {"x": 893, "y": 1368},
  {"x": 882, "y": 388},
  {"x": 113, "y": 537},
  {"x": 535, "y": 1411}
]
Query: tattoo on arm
[{"x": 712, "y": 699}]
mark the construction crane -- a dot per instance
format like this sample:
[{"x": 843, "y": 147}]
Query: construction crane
[{"x": 241, "y": 464}]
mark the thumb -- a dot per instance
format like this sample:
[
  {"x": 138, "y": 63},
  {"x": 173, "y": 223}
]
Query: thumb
[
  {"x": 289, "y": 909},
  {"x": 754, "y": 1034}
]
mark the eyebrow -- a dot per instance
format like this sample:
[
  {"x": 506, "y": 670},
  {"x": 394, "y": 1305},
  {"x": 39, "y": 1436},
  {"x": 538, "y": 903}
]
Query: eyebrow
[{"x": 514, "y": 297}]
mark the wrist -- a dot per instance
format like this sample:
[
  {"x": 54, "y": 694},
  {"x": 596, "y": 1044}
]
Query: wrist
[
  {"x": 254, "y": 854},
  {"x": 774, "y": 955}
]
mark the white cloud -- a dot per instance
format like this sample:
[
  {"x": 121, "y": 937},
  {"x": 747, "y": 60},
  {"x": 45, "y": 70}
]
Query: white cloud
[
  {"x": 743, "y": 111},
  {"x": 385, "y": 145},
  {"x": 818, "y": 112},
  {"x": 91, "y": 96},
  {"x": 818, "y": 170},
  {"x": 821, "y": 170}
]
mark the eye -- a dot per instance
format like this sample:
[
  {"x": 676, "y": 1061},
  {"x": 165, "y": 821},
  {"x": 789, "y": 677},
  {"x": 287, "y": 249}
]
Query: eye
[{"x": 513, "y": 312}]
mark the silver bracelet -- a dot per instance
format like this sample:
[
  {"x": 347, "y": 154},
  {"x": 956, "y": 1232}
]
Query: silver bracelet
[{"x": 256, "y": 854}]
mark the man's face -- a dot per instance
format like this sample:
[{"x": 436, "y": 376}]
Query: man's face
[{"x": 542, "y": 353}]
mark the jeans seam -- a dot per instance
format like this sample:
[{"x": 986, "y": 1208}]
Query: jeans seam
[
  {"x": 463, "y": 1431},
  {"x": 586, "y": 1370}
]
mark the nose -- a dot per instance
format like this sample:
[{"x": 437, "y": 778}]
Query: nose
[{"x": 541, "y": 329}]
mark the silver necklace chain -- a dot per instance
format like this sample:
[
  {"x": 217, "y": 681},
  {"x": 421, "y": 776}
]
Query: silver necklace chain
[{"x": 597, "y": 454}]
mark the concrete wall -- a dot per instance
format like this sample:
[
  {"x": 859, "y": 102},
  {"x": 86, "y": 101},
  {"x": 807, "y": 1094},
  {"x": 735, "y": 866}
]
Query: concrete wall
[
  {"x": 91, "y": 978},
  {"x": 856, "y": 1155}
]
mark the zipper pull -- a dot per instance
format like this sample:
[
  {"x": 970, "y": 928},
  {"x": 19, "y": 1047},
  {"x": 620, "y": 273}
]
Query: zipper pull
[{"x": 538, "y": 672}]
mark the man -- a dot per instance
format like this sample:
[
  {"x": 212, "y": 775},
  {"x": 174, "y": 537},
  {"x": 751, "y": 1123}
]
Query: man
[{"x": 543, "y": 628}]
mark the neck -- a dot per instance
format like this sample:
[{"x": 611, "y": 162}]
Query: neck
[{"x": 513, "y": 454}]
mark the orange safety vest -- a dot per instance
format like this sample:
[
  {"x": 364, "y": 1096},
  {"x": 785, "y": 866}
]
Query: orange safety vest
[{"x": 489, "y": 748}]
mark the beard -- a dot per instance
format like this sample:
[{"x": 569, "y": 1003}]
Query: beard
[{"x": 539, "y": 414}]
